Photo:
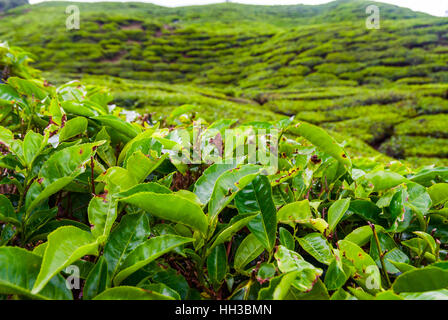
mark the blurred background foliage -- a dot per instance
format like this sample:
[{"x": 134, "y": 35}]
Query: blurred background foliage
[{"x": 380, "y": 90}]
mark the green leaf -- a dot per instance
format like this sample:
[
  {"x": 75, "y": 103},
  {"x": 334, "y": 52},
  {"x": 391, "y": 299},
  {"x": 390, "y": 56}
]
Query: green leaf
[
  {"x": 367, "y": 210},
  {"x": 7, "y": 213},
  {"x": 163, "y": 289},
  {"x": 171, "y": 207},
  {"x": 102, "y": 213},
  {"x": 97, "y": 281},
  {"x": 361, "y": 236},
  {"x": 321, "y": 139},
  {"x": 204, "y": 186},
  {"x": 286, "y": 238},
  {"x": 18, "y": 272},
  {"x": 78, "y": 109},
  {"x": 226, "y": 188},
  {"x": 143, "y": 187},
  {"x": 30, "y": 88},
  {"x": 336, "y": 212},
  {"x": 337, "y": 273},
  {"x": 438, "y": 193},
  {"x": 249, "y": 249},
  {"x": 117, "y": 179},
  {"x": 319, "y": 292},
  {"x": 295, "y": 212},
  {"x": 402, "y": 267},
  {"x": 421, "y": 280},
  {"x": 394, "y": 255},
  {"x": 317, "y": 246},
  {"x": 132, "y": 231},
  {"x": 364, "y": 266},
  {"x": 32, "y": 147},
  {"x": 390, "y": 251},
  {"x": 257, "y": 197},
  {"x": 188, "y": 195},
  {"x": 236, "y": 224},
  {"x": 428, "y": 239},
  {"x": 420, "y": 247},
  {"x": 130, "y": 293},
  {"x": 73, "y": 128},
  {"x": 140, "y": 166},
  {"x": 266, "y": 271},
  {"x": 148, "y": 251},
  {"x": 418, "y": 199},
  {"x": 105, "y": 151},
  {"x": 426, "y": 176},
  {"x": 387, "y": 295},
  {"x": 290, "y": 261},
  {"x": 58, "y": 171},
  {"x": 65, "y": 246},
  {"x": 8, "y": 93},
  {"x": 118, "y": 124},
  {"x": 341, "y": 294},
  {"x": 7, "y": 233},
  {"x": 278, "y": 287},
  {"x": 217, "y": 265},
  {"x": 429, "y": 295},
  {"x": 383, "y": 180},
  {"x": 142, "y": 141}
]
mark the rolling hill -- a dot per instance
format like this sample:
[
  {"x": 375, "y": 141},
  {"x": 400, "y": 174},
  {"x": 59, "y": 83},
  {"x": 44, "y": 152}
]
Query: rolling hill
[{"x": 384, "y": 90}]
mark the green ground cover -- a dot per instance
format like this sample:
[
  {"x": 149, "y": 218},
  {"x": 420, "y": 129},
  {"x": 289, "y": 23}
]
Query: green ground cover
[{"x": 387, "y": 88}]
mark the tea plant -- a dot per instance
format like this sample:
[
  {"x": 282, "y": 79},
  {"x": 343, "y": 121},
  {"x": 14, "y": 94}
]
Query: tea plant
[
  {"x": 317, "y": 63},
  {"x": 90, "y": 188}
]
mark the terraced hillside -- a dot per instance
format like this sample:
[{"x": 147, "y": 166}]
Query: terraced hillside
[{"x": 386, "y": 87}]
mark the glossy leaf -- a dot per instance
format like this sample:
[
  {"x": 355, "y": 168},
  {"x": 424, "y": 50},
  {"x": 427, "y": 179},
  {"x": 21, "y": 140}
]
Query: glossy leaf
[
  {"x": 170, "y": 207},
  {"x": 65, "y": 246},
  {"x": 18, "y": 272},
  {"x": 146, "y": 252},
  {"x": 279, "y": 287},
  {"x": 249, "y": 249},
  {"x": 438, "y": 193},
  {"x": 364, "y": 266},
  {"x": 336, "y": 212},
  {"x": 321, "y": 139},
  {"x": 118, "y": 124},
  {"x": 33, "y": 145},
  {"x": 204, "y": 186},
  {"x": 130, "y": 293},
  {"x": 317, "y": 246},
  {"x": 257, "y": 197},
  {"x": 362, "y": 235},
  {"x": 421, "y": 280},
  {"x": 383, "y": 180},
  {"x": 58, "y": 171},
  {"x": 235, "y": 225},
  {"x": 132, "y": 231},
  {"x": 73, "y": 128},
  {"x": 226, "y": 188},
  {"x": 217, "y": 265},
  {"x": 7, "y": 213},
  {"x": 97, "y": 281},
  {"x": 102, "y": 213},
  {"x": 286, "y": 238},
  {"x": 290, "y": 261}
]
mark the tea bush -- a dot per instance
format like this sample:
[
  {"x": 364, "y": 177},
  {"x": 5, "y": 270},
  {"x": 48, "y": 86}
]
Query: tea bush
[
  {"x": 266, "y": 52},
  {"x": 88, "y": 186}
]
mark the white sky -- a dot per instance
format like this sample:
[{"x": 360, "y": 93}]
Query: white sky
[{"x": 434, "y": 7}]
